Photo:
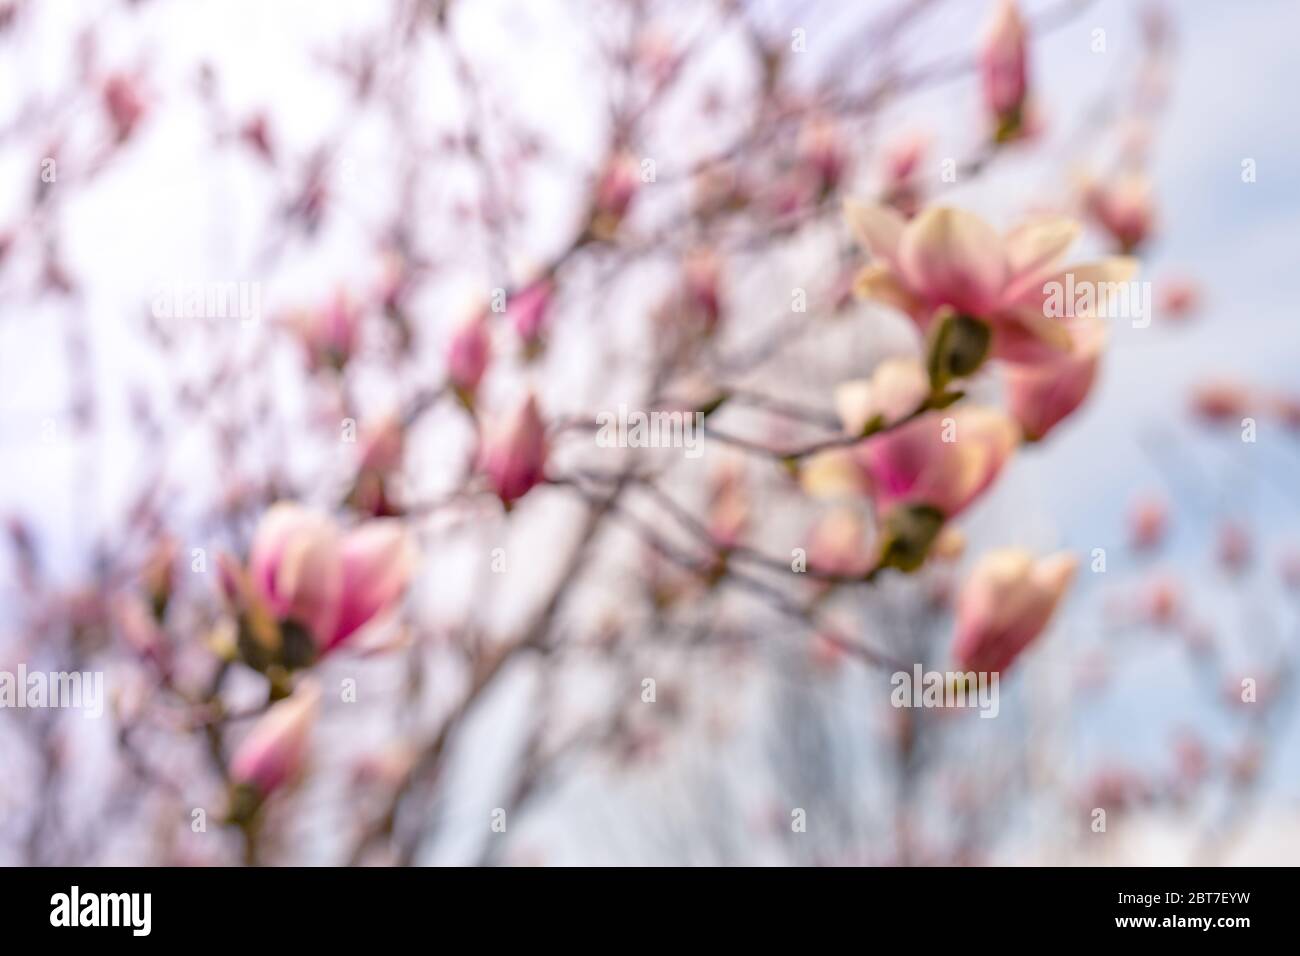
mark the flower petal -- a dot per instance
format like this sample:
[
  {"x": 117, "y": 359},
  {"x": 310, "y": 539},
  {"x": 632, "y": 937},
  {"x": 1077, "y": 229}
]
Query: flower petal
[
  {"x": 1042, "y": 395},
  {"x": 880, "y": 283},
  {"x": 377, "y": 563},
  {"x": 834, "y": 474},
  {"x": 878, "y": 229},
  {"x": 1035, "y": 249},
  {"x": 1027, "y": 336},
  {"x": 1099, "y": 276},
  {"x": 952, "y": 257},
  {"x": 896, "y": 389}
]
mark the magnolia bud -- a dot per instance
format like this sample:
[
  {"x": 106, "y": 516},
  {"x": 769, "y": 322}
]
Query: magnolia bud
[
  {"x": 320, "y": 585},
  {"x": 821, "y": 148},
  {"x": 528, "y": 312},
  {"x": 294, "y": 567},
  {"x": 902, "y": 162},
  {"x": 615, "y": 189},
  {"x": 381, "y": 455},
  {"x": 1178, "y": 298},
  {"x": 1147, "y": 523},
  {"x": 898, "y": 387},
  {"x": 468, "y": 353},
  {"x": 329, "y": 333},
  {"x": 941, "y": 459},
  {"x": 124, "y": 105},
  {"x": 513, "y": 454},
  {"x": 1221, "y": 402},
  {"x": 274, "y": 750},
  {"x": 1005, "y": 603},
  {"x": 1124, "y": 208},
  {"x": 1004, "y": 68}
]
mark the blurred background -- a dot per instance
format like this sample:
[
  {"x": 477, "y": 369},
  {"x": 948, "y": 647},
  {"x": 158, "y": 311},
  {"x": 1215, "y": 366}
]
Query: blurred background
[{"x": 321, "y": 252}]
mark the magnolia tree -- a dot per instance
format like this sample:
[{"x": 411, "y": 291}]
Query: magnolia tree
[{"x": 562, "y": 433}]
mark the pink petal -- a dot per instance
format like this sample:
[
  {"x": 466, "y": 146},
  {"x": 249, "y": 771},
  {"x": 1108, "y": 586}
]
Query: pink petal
[
  {"x": 1042, "y": 395},
  {"x": 952, "y": 257},
  {"x": 377, "y": 564},
  {"x": 878, "y": 229},
  {"x": 1035, "y": 250},
  {"x": 274, "y": 749}
]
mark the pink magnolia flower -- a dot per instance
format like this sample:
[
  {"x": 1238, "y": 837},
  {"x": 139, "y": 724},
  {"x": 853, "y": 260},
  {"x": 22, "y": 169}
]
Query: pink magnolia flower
[
  {"x": 1221, "y": 401},
  {"x": 902, "y": 157},
  {"x": 294, "y": 568},
  {"x": 377, "y": 561},
  {"x": 821, "y": 151},
  {"x": 1148, "y": 521},
  {"x": 124, "y": 104},
  {"x": 614, "y": 192},
  {"x": 1042, "y": 395},
  {"x": 1124, "y": 208},
  {"x": 949, "y": 258},
  {"x": 1179, "y": 298},
  {"x": 1161, "y": 600},
  {"x": 383, "y": 445},
  {"x": 902, "y": 162},
  {"x": 273, "y": 752},
  {"x": 329, "y": 333},
  {"x": 942, "y": 459},
  {"x": 528, "y": 311},
  {"x": 1004, "y": 65},
  {"x": 1006, "y": 602},
  {"x": 896, "y": 389},
  {"x": 469, "y": 352},
  {"x": 332, "y": 583},
  {"x": 514, "y": 451}
]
